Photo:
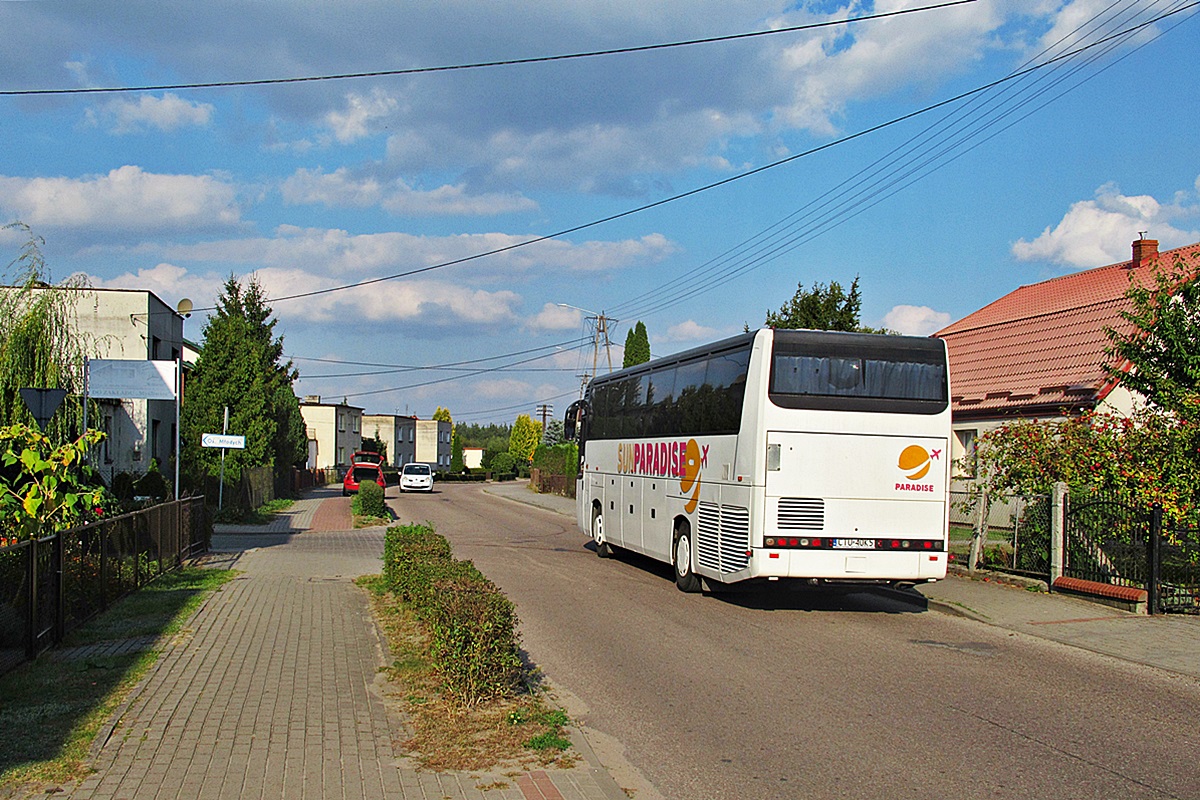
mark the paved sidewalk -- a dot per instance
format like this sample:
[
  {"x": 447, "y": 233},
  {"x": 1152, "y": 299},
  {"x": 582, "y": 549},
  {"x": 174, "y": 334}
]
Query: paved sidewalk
[
  {"x": 1166, "y": 642},
  {"x": 275, "y": 691}
]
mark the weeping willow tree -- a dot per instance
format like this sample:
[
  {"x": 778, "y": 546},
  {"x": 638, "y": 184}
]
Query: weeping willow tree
[{"x": 40, "y": 344}]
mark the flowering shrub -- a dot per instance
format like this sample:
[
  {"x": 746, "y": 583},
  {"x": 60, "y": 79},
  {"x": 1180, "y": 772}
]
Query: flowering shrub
[
  {"x": 1146, "y": 459},
  {"x": 41, "y": 489}
]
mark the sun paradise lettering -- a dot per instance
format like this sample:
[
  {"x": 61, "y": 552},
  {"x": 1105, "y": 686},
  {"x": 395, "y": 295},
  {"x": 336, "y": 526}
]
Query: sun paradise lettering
[{"x": 662, "y": 459}]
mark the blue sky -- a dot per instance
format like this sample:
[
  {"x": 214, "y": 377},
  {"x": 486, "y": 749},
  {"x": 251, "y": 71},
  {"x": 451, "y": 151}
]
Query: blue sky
[{"x": 317, "y": 185}]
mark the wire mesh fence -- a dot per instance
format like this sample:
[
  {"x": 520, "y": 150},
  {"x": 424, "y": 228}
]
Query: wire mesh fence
[{"x": 1014, "y": 532}]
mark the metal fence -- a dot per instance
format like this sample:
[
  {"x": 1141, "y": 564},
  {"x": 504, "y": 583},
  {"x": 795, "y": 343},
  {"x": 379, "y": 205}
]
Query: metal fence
[
  {"x": 1014, "y": 532},
  {"x": 51, "y": 585},
  {"x": 1106, "y": 541},
  {"x": 1175, "y": 570}
]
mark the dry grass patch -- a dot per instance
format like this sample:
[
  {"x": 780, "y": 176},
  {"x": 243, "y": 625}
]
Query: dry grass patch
[{"x": 505, "y": 732}]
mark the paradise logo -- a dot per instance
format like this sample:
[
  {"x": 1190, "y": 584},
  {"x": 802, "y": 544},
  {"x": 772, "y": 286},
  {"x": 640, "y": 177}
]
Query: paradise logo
[
  {"x": 682, "y": 460},
  {"x": 915, "y": 462}
]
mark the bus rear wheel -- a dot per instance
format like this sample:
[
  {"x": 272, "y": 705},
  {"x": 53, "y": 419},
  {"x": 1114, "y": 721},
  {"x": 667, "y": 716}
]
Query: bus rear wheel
[
  {"x": 685, "y": 578},
  {"x": 602, "y": 547}
]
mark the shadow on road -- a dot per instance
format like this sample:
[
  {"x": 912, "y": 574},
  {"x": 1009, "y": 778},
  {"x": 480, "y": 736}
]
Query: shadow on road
[{"x": 791, "y": 595}]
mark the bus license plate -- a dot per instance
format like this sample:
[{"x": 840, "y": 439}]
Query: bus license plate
[{"x": 854, "y": 544}]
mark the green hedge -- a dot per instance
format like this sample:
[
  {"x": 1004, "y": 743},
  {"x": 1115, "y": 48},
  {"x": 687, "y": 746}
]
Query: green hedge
[
  {"x": 472, "y": 625},
  {"x": 368, "y": 502},
  {"x": 557, "y": 459}
]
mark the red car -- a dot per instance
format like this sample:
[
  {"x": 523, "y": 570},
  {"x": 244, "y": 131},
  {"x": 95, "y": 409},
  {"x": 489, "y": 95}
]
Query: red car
[
  {"x": 360, "y": 472},
  {"x": 366, "y": 457}
]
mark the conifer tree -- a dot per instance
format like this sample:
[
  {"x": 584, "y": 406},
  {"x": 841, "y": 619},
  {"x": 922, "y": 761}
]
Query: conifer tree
[
  {"x": 241, "y": 367},
  {"x": 637, "y": 346}
]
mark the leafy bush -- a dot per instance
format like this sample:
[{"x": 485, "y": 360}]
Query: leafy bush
[
  {"x": 152, "y": 484},
  {"x": 472, "y": 625},
  {"x": 503, "y": 462},
  {"x": 369, "y": 501}
]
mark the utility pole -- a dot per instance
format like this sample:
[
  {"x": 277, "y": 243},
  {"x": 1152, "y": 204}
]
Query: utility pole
[
  {"x": 599, "y": 335},
  {"x": 545, "y": 410},
  {"x": 602, "y": 323}
]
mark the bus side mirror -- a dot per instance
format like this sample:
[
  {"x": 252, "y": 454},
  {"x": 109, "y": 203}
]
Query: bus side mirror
[{"x": 575, "y": 420}]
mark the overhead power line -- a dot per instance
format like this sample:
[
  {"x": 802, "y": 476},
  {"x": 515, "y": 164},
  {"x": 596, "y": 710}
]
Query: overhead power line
[
  {"x": 512, "y": 62},
  {"x": 940, "y": 143},
  {"x": 748, "y": 173}
]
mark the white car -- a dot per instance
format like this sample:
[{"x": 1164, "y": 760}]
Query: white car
[{"x": 416, "y": 478}]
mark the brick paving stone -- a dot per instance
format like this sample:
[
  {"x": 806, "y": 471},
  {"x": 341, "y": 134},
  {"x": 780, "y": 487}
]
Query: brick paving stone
[{"x": 275, "y": 693}]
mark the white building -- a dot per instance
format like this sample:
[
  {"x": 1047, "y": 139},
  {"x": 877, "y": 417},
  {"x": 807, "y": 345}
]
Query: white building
[
  {"x": 399, "y": 433},
  {"x": 433, "y": 443},
  {"x": 334, "y": 432},
  {"x": 130, "y": 324}
]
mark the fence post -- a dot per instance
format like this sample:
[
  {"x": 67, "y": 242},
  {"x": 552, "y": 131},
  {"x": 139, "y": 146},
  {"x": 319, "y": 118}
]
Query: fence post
[
  {"x": 1058, "y": 530},
  {"x": 979, "y": 537},
  {"x": 1154, "y": 556},
  {"x": 31, "y": 599},
  {"x": 60, "y": 589}
]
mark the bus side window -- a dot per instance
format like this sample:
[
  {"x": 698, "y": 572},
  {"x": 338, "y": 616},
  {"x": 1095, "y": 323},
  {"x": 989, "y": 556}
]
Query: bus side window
[{"x": 660, "y": 403}]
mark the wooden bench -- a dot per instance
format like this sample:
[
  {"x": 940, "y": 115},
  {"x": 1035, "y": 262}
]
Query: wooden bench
[{"x": 1129, "y": 598}]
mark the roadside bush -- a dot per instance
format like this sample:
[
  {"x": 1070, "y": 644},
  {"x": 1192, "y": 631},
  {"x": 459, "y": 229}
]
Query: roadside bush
[
  {"x": 406, "y": 550},
  {"x": 369, "y": 501},
  {"x": 152, "y": 484},
  {"x": 472, "y": 625},
  {"x": 503, "y": 463},
  {"x": 473, "y": 639}
]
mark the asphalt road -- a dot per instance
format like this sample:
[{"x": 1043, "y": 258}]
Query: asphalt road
[{"x": 769, "y": 693}]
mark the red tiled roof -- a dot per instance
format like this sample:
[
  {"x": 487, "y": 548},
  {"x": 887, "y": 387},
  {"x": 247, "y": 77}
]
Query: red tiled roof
[{"x": 1041, "y": 348}]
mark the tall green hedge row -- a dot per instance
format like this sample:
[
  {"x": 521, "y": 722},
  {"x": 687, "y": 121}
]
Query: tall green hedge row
[{"x": 472, "y": 625}]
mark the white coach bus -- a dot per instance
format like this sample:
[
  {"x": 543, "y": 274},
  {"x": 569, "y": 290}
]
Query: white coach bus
[{"x": 775, "y": 454}]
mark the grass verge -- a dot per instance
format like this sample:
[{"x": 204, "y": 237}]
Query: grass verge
[
  {"x": 54, "y": 707},
  {"x": 258, "y": 516},
  {"x": 518, "y": 732}
]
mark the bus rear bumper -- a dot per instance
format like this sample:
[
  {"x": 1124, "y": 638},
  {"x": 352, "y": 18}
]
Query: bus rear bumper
[{"x": 850, "y": 566}]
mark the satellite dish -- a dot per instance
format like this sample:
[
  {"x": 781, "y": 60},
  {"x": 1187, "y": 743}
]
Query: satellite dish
[{"x": 184, "y": 308}]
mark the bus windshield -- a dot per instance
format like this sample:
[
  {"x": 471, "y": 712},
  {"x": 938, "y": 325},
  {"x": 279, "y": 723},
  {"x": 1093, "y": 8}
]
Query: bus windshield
[{"x": 858, "y": 372}]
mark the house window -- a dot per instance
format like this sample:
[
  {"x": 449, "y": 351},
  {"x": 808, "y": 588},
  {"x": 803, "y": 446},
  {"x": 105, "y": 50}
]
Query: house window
[
  {"x": 354, "y": 424},
  {"x": 964, "y": 453},
  {"x": 341, "y": 422}
]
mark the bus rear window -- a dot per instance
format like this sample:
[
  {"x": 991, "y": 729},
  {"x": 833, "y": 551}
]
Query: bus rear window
[{"x": 897, "y": 374}]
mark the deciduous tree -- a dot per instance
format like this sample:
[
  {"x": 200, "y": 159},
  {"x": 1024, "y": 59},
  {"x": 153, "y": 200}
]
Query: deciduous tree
[
  {"x": 524, "y": 439},
  {"x": 40, "y": 343},
  {"x": 1159, "y": 356}
]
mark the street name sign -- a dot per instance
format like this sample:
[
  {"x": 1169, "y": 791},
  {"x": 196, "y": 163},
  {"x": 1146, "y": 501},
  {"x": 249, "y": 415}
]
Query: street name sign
[{"x": 223, "y": 440}]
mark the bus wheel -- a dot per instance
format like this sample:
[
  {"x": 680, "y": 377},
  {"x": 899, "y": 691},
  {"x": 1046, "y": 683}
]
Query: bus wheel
[
  {"x": 685, "y": 579},
  {"x": 602, "y": 548}
]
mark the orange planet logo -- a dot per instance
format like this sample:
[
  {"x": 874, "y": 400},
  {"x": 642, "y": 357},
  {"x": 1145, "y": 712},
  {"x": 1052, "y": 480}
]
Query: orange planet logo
[
  {"x": 689, "y": 480},
  {"x": 915, "y": 462}
]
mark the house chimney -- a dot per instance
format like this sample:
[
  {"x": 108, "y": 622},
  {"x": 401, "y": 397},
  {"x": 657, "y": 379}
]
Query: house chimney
[{"x": 1143, "y": 250}]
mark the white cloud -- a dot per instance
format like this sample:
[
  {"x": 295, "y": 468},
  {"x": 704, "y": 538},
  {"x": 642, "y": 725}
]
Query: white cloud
[
  {"x": 125, "y": 199},
  {"x": 166, "y": 113},
  {"x": 1097, "y": 232},
  {"x": 360, "y": 115},
  {"x": 341, "y": 189},
  {"x": 690, "y": 331},
  {"x": 915, "y": 320},
  {"x": 171, "y": 283},
  {"x": 340, "y": 253},
  {"x": 432, "y": 303},
  {"x": 554, "y": 317}
]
